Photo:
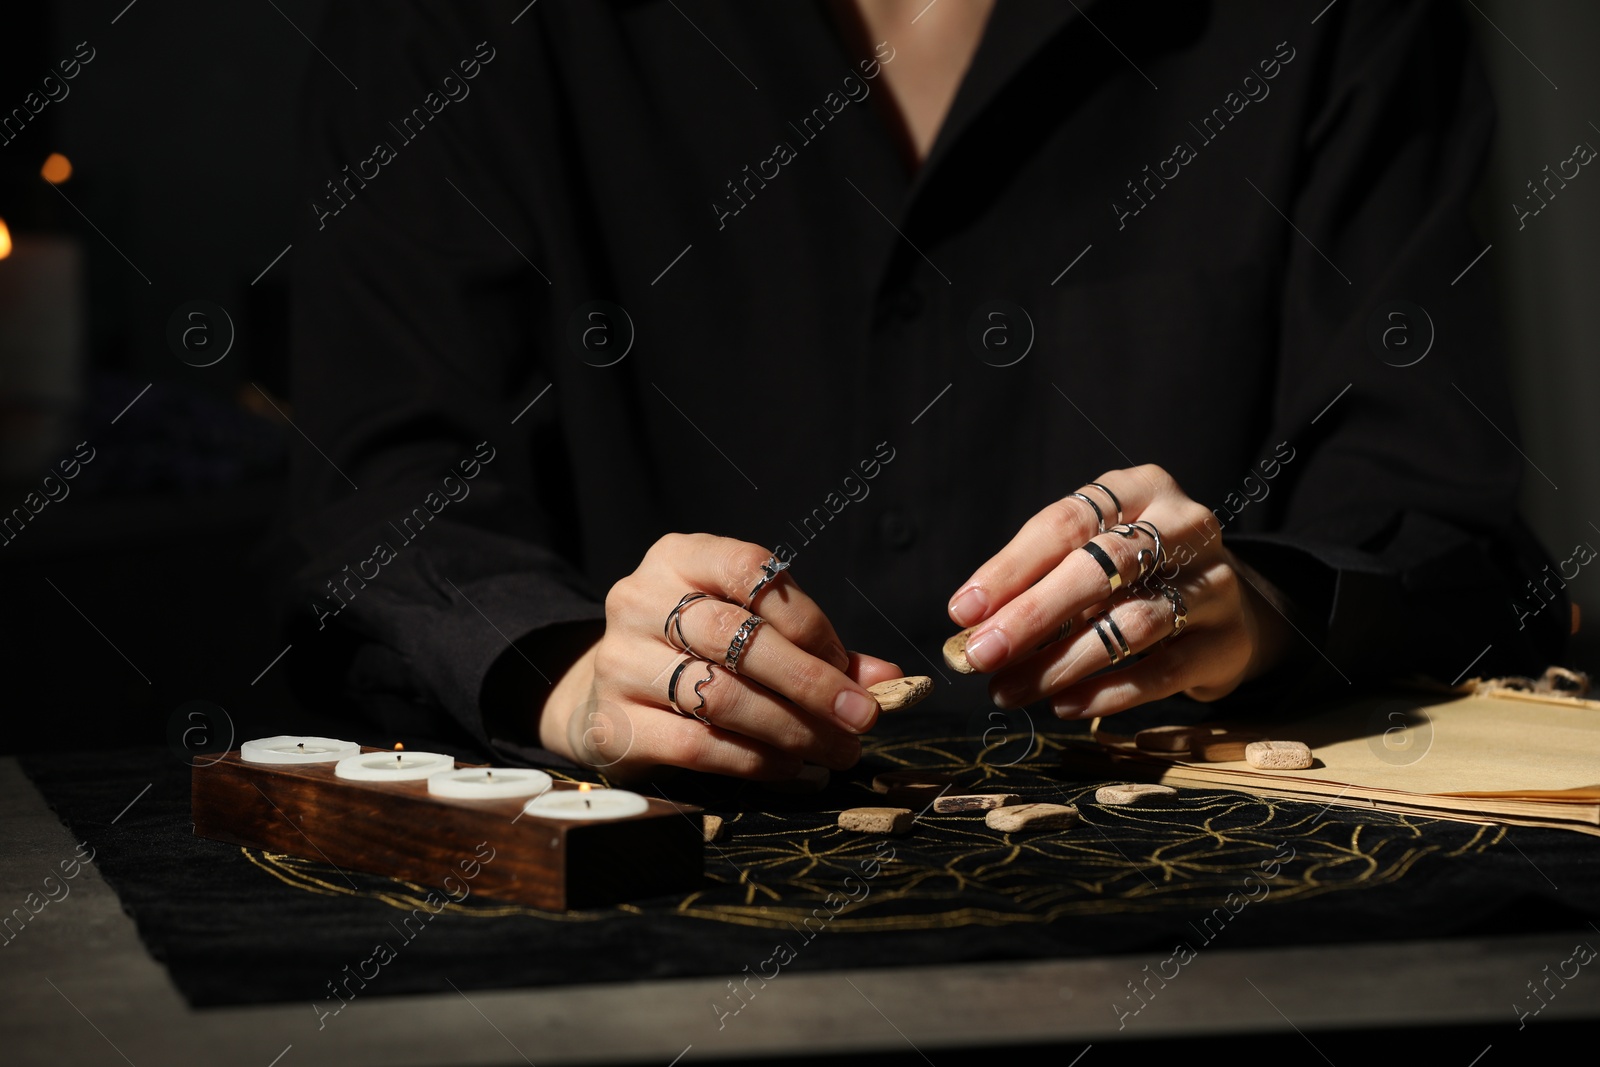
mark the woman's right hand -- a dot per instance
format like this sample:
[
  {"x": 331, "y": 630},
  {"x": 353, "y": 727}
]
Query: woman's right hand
[{"x": 797, "y": 697}]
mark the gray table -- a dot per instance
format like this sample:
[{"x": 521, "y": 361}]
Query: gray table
[{"x": 79, "y": 987}]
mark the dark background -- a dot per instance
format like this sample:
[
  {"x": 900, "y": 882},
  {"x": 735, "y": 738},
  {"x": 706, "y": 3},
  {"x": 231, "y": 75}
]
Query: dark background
[{"x": 146, "y": 588}]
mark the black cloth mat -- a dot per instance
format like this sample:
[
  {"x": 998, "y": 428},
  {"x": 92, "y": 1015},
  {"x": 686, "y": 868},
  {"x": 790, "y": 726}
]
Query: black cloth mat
[{"x": 1207, "y": 869}]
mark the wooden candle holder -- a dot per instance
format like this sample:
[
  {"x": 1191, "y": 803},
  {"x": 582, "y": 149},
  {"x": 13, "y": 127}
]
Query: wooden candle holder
[{"x": 400, "y": 830}]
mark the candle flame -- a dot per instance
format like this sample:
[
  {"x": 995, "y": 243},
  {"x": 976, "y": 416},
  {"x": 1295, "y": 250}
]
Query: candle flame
[
  {"x": 584, "y": 787},
  {"x": 398, "y": 747},
  {"x": 5, "y": 240},
  {"x": 57, "y": 168}
]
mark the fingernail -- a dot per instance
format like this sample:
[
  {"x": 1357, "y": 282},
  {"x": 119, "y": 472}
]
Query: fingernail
[
  {"x": 839, "y": 657},
  {"x": 988, "y": 650},
  {"x": 1067, "y": 710},
  {"x": 855, "y": 709},
  {"x": 969, "y": 607}
]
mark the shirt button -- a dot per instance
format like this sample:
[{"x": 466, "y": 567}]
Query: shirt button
[
  {"x": 908, "y": 303},
  {"x": 896, "y": 531}
]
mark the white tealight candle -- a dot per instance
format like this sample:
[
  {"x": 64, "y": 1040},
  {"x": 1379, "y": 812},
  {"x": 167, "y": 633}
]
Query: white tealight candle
[
  {"x": 586, "y": 804},
  {"x": 397, "y": 766},
  {"x": 488, "y": 783},
  {"x": 288, "y": 749}
]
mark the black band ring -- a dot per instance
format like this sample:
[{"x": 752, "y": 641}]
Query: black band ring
[
  {"x": 672, "y": 685},
  {"x": 1107, "y": 564}
]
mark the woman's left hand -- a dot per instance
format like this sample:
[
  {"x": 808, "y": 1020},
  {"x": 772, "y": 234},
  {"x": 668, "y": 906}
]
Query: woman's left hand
[{"x": 1048, "y": 613}]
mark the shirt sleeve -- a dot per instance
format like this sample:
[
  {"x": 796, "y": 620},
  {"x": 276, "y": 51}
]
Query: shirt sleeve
[
  {"x": 426, "y": 519},
  {"x": 1393, "y": 523}
]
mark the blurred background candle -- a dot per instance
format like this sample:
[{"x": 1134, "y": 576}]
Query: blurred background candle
[{"x": 42, "y": 320}]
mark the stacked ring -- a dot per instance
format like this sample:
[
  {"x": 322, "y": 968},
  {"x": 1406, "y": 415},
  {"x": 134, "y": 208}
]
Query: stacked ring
[
  {"x": 1155, "y": 535},
  {"x": 740, "y": 638},
  {"x": 1148, "y": 561},
  {"x": 1099, "y": 518},
  {"x": 672, "y": 685},
  {"x": 672, "y": 690},
  {"x": 1114, "y": 501},
  {"x": 711, "y": 669},
  {"x": 674, "y": 622}
]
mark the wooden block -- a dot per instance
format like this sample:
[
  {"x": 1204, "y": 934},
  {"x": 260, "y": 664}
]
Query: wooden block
[
  {"x": 400, "y": 830},
  {"x": 1031, "y": 817},
  {"x": 914, "y": 796},
  {"x": 898, "y": 693},
  {"x": 713, "y": 827},
  {"x": 1170, "y": 739},
  {"x": 951, "y": 805},
  {"x": 1132, "y": 793},
  {"x": 1221, "y": 748},
  {"x": 811, "y": 779},
  {"x": 877, "y": 820},
  {"x": 1278, "y": 755},
  {"x": 955, "y": 652},
  {"x": 888, "y": 780}
]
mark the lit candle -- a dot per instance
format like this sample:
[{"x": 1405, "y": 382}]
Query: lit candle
[
  {"x": 585, "y": 802},
  {"x": 396, "y": 766},
  {"x": 488, "y": 783},
  {"x": 288, "y": 749}
]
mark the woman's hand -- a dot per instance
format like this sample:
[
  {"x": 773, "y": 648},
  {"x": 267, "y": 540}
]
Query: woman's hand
[
  {"x": 1047, "y": 614},
  {"x": 795, "y": 697}
]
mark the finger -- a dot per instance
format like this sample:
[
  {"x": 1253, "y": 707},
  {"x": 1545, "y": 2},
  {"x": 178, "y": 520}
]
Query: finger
[
  {"x": 1142, "y": 618},
  {"x": 870, "y": 670},
  {"x": 729, "y": 702},
  {"x": 1206, "y": 658},
  {"x": 1087, "y": 576},
  {"x": 732, "y": 569},
  {"x": 1107, "y": 563},
  {"x": 1045, "y": 540},
  {"x": 768, "y": 657},
  {"x": 664, "y": 738}
]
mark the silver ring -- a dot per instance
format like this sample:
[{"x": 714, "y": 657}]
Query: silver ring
[
  {"x": 675, "y": 622},
  {"x": 1107, "y": 564},
  {"x": 1148, "y": 561},
  {"x": 740, "y": 638},
  {"x": 1119, "y": 651},
  {"x": 1061, "y": 635},
  {"x": 769, "y": 571},
  {"x": 711, "y": 669},
  {"x": 1114, "y": 501},
  {"x": 1180, "y": 611},
  {"x": 1155, "y": 535},
  {"x": 672, "y": 685},
  {"x": 1099, "y": 519}
]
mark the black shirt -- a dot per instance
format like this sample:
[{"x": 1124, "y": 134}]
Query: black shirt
[{"x": 643, "y": 267}]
